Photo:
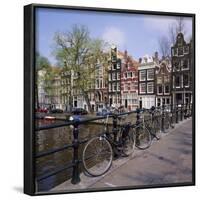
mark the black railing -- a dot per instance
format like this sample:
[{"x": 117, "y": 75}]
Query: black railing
[{"x": 178, "y": 113}]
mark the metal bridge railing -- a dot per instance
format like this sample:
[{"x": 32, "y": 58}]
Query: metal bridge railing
[{"x": 178, "y": 113}]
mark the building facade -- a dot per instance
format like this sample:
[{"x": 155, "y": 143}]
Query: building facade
[
  {"x": 101, "y": 86},
  {"x": 163, "y": 83},
  {"x": 129, "y": 81},
  {"x": 114, "y": 79},
  {"x": 146, "y": 81},
  {"x": 181, "y": 82}
]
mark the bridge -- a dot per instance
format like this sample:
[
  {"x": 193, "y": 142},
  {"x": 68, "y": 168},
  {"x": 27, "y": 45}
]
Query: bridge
[{"x": 167, "y": 161}]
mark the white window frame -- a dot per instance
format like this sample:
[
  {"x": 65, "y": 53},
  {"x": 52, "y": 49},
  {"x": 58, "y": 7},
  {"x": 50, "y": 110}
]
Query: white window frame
[
  {"x": 113, "y": 86},
  {"x": 141, "y": 87},
  {"x": 118, "y": 75},
  {"x": 148, "y": 74},
  {"x": 142, "y": 71},
  {"x": 165, "y": 87},
  {"x": 187, "y": 65},
  {"x": 158, "y": 90},
  {"x": 184, "y": 52},
  {"x": 114, "y": 76},
  {"x": 148, "y": 87},
  {"x": 129, "y": 73}
]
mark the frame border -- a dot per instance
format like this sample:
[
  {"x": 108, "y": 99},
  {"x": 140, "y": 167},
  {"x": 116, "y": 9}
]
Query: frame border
[{"x": 29, "y": 96}]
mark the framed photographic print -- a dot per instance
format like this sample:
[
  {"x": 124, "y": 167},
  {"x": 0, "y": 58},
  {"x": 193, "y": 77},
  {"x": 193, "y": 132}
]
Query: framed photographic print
[{"x": 109, "y": 99}]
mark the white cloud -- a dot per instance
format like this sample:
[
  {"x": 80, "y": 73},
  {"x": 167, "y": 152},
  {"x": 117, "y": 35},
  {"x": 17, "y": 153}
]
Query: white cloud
[
  {"x": 162, "y": 23},
  {"x": 114, "y": 35}
]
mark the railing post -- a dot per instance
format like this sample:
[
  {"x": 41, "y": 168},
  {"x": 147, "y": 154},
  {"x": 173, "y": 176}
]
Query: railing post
[
  {"x": 137, "y": 122},
  {"x": 75, "y": 174},
  {"x": 115, "y": 130},
  {"x": 189, "y": 110},
  {"x": 171, "y": 115},
  {"x": 176, "y": 113},
  {"x": 163, "y": 119},
  {"x": 182, "y": 112},
  {"x": 138, "y": 116},
  {"x": 185, "y": 111}
]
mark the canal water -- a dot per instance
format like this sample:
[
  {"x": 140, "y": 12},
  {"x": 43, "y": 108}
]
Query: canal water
[{"x": 54, "y": 138}]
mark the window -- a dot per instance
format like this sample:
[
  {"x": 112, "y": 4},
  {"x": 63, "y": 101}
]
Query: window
[
  {"x": 150, "y": 74},
  {"x": 159, "y": 80},
  {"x": 129, "y": 75},
  {"x": 110, "y": 88},
  {"x": 186, "y": 49},
  {"x": 118, "y": 87},
  {"x": 97, "y": 84},
  {"x": 160, "y": 89},
  {"x": 114, "y": 86},
  {"x": 180, "y": 51},
  {"x": 185, "y": 80},
  {"x": 114, "y": 66},
  {"x": 175, "y": 52},
  {"x": 166, "y": 79},
  {"x": 118, "y": 65},
  {"x": 118, "y": 76},
  {"x": 101, "y": 83},
  {"x": 110, "y": 77},
  {"x": 133, "y": 86},
  {"x": 125, "y": 87},
  {"x": 176, "y": 65},
  {"x": 158, "y": 102},
  {"x": 143, "y": 75},
  {"x": 177, "y": 81},
  {"x": 185, "y": 63},
  {"x": 150, "y": 87},
  {"x": 163, "y": 101},
  {"x": 166, "y": 89},
  {"x": 114, "y": 76},
  {"x": 142, "y": 88},
  {"x": 168, "y": 101}
]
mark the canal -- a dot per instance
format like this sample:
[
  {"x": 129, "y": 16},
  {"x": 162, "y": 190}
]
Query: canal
[{"x": 54, "y": 138}]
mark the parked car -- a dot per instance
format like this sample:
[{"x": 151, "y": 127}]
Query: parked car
[
  {"x": 104, "y": 112},
  {"x": 57, "y": 110},
  {"x": 79, "y": 111},
  {"x": 41, "y": 110}
]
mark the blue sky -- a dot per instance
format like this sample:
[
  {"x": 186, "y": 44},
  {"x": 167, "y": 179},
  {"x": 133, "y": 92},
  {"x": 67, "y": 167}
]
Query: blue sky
[{"x": 136, "y": 33}]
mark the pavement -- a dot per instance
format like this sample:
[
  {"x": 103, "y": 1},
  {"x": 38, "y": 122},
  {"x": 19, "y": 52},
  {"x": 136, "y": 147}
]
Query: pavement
[{"x": 167, "y": 161}]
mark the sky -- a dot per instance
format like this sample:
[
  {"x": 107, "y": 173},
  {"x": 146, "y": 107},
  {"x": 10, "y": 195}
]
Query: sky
[{"x": 136, "y": 33}]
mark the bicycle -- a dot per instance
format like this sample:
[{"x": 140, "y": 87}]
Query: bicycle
[
  {"x": 142, "y": 132},
  {"x": 99, "y": 151},
  {"x": 154, "y": 123}
]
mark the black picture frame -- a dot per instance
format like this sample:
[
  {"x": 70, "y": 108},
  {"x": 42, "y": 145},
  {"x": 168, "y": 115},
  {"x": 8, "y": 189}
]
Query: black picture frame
[{"x": 29, "y": 95}]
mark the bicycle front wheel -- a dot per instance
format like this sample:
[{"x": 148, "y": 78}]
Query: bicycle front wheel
[
  {"x": 143, "y": 137},
  {"x": 97, "y": 156}
]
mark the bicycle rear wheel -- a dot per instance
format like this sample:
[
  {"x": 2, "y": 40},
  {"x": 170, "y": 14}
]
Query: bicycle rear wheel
[
  {"x": 97, "y": 156},
  {"x": 129, "y": 143},
  {"x": 143, "y": 137}
]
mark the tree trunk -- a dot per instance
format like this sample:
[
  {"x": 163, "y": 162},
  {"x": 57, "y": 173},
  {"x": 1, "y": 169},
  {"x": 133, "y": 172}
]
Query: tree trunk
[{"x": 85, "y": 94}]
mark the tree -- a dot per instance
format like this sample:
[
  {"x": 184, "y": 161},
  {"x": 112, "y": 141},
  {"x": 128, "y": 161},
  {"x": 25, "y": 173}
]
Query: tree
[
  {"x": 165, "y": 42},
  {"x": 79, "y": 55},
  {"x": 42, "y": 63},
  {"x": 164, "y": 46}
]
